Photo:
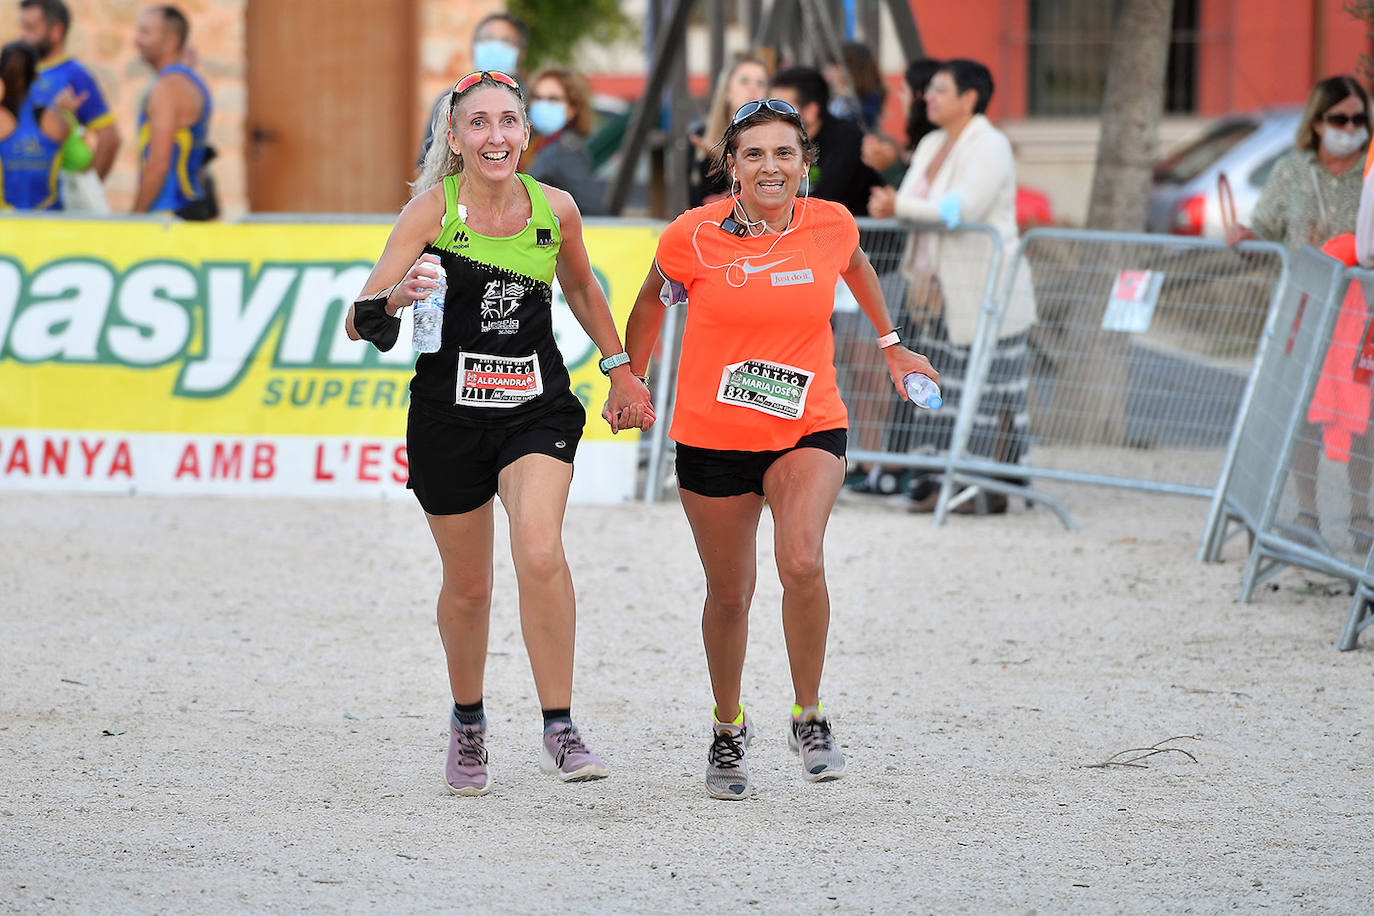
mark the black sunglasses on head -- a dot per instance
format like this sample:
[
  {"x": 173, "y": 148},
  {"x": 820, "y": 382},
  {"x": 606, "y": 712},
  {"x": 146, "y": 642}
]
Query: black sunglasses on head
[
  {"x": 749, "y": 109},
  {"x": 1340, "y": 120}
]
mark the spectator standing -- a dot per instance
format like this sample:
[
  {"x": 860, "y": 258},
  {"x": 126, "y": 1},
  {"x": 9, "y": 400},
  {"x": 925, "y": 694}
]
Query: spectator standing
[
  {"x": 498, "y": 43},
  {"x": 45, "y": 24},
  {"x": 30, "y": 135},
  {"x": 174, "y": 123},
  {"x": 838, "y": 172},
  {"x": 1364, "y": 225},
  {"x": 963, "y": 172},
  {"x": 561, "y": 118},
  {"x": 1313, "y": 194},
  {"x": 856, "y": 80},
  {"x": 746, "y": 80},
  {"x": 865, "y": 388}
]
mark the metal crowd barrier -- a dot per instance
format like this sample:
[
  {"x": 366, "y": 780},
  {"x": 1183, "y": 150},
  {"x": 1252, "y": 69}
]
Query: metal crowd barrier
[
  {"x": 1299, "y": 478},
  {"x": 1141, "y": 357},
  {"x": 883, "y": 429},
  {"x": 1138, "y": 361}
]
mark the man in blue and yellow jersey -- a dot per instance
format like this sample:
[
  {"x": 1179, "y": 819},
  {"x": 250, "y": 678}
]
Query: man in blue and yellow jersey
[
  {"x": 44, "y": 24},
  {"x": 175, "y": 120}
]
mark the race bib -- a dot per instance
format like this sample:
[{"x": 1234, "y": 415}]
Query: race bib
[
  {"x": 498, "y": 381},
  {"x": 771, "y": 388}
]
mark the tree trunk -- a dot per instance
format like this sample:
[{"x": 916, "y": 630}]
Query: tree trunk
[
  {"x": 1131, "y": 107},
  {"x": 1094, "y": 363}
]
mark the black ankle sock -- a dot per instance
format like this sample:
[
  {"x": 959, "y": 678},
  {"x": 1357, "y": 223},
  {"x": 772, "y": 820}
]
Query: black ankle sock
[
  {"x": 555, "y": 716},
  {"x": 469, "y": 713}
]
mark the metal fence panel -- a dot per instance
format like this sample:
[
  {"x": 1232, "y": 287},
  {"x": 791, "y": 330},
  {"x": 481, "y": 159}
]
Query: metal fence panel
[
  {"x": 1324, "y": 502},
  {"x": 884, "y": 429},
  {"x": 1245, "y": 487},
  {"x": 1361, "y": 284},
  {"x": 1141, "y": 355}
]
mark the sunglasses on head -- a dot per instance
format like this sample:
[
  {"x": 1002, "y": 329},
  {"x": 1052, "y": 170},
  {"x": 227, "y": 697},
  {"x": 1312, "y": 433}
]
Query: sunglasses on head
[
  {"x": 1340, "y": 120},
  {"x": 752, "y": 108},
  {"x": 476, "y": 76}
]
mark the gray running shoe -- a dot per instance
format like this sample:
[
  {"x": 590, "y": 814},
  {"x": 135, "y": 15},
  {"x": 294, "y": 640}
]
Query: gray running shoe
[
  {"x": 727, "y": 775},
  {"x": 820, "y": 755}
]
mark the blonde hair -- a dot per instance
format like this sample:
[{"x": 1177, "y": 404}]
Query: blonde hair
[
  {"x": 720, "y": 112},
  {"x": 440, "y": 161}
]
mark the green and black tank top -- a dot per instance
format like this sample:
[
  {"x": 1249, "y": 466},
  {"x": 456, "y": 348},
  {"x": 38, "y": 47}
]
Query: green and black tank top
[{"x": 497, "y": 361}]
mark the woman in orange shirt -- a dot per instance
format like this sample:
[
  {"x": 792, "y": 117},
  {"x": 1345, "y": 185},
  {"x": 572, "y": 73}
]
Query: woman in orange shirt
[{"x": 757, "y": 413}]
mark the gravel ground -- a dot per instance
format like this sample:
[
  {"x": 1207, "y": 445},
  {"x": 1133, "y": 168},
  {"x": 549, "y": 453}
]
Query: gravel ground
[{"x": 233, "y": 704}]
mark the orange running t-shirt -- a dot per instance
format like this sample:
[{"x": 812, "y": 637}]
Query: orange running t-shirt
[{"x": 757, "y": 367}]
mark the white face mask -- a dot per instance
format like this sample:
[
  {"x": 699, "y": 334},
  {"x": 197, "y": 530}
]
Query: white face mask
[{"x": 1342, "y": 143}]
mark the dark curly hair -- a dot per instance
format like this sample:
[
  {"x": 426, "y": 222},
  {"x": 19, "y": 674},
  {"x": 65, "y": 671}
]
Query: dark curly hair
[{"x": 765, "y": 115}]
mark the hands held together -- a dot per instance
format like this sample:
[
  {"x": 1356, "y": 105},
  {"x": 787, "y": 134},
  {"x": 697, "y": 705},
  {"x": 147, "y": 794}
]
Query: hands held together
[{"x": 628, "y": 406}]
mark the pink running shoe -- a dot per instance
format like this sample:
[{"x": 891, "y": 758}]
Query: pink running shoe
[
  {"x": 465, "y": 770},
  {"x": 565, "y": 754}
]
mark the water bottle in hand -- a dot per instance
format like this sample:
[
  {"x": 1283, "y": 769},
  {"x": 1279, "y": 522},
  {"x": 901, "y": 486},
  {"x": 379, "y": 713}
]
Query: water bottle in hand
[
  {"x": 922, "y": 390},
  {"x": 429, "y": 316}
]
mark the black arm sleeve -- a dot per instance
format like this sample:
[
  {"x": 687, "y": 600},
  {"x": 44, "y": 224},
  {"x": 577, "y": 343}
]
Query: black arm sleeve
[{"x": 374, "y": 324}]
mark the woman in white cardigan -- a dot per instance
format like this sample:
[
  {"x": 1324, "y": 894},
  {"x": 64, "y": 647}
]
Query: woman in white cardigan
[{"x": 963, "y": 173}]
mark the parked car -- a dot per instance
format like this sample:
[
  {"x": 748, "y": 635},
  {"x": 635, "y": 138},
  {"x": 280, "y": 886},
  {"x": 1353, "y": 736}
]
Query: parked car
[{"x": 1183, "y": 198}]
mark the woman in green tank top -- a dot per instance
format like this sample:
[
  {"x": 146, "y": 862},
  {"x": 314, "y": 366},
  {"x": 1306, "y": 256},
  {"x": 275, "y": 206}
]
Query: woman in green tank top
[{"x": 491, "y": 412}]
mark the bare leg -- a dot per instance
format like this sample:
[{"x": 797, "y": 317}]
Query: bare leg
[
  {"x": 1306, "y": 455},
  {"x": 801, "y": 487},
  {"x": 1358, "y": 474},
  {"x": 534, "y": 491},
  {"x": 726, "y": 531},
  {"x": 464, "y": 610}
]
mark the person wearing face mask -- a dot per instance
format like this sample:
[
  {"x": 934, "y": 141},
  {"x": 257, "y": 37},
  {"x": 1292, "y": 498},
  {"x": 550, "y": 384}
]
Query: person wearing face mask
[
  {"x": 498, "y": 43},
  {"x": 1313, "y": 192},
  {"x": 561, "y": 118}
]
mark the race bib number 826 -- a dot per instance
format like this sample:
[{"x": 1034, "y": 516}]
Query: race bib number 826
[{"x": 772, "y": 388}]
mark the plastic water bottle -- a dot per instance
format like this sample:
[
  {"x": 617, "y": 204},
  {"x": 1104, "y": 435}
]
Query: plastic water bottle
[
  {"x": 429, "y": 316},
  {"x": 922, "y": 390}
]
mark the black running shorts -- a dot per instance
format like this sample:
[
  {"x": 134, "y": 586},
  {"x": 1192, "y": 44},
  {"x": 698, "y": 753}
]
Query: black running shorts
[
  {"x": 723, "y": 472},
  {"x": 453, "y": 468}
]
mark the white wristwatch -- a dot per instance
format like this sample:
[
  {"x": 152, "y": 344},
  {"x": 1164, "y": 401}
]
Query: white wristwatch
[{"x": 610, "y": 362}]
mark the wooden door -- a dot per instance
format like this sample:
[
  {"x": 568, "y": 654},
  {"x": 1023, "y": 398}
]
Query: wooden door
[{"x": 331, "y": 90}]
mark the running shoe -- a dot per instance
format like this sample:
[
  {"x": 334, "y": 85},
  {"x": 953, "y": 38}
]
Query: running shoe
[
  {"x": 820, "y": 755},
  {"x": 465, "y": 771},
  {"x": 564, "y": 753},
  {"x": 727, "y": 775}
]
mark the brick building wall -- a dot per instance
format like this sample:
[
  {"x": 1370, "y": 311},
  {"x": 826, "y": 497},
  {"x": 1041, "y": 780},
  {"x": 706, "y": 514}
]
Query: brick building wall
[{"x": 102, "y": 38}]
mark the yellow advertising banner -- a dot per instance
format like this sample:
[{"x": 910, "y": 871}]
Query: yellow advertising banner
[{"x": 202, "y": 357}]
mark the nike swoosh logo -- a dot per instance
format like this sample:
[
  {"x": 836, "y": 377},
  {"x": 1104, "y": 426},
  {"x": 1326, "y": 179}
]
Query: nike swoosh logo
[{"x": 755, "y": 268}]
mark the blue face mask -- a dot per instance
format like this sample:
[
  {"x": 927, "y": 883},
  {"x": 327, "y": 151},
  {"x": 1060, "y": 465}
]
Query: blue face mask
[
  {"x": 548, "y": 117},
  {"x": 495, "y": 55}
]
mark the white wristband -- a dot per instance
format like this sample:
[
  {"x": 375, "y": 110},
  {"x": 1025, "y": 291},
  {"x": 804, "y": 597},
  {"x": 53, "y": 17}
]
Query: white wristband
[{"x": 890, "y": 339}]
